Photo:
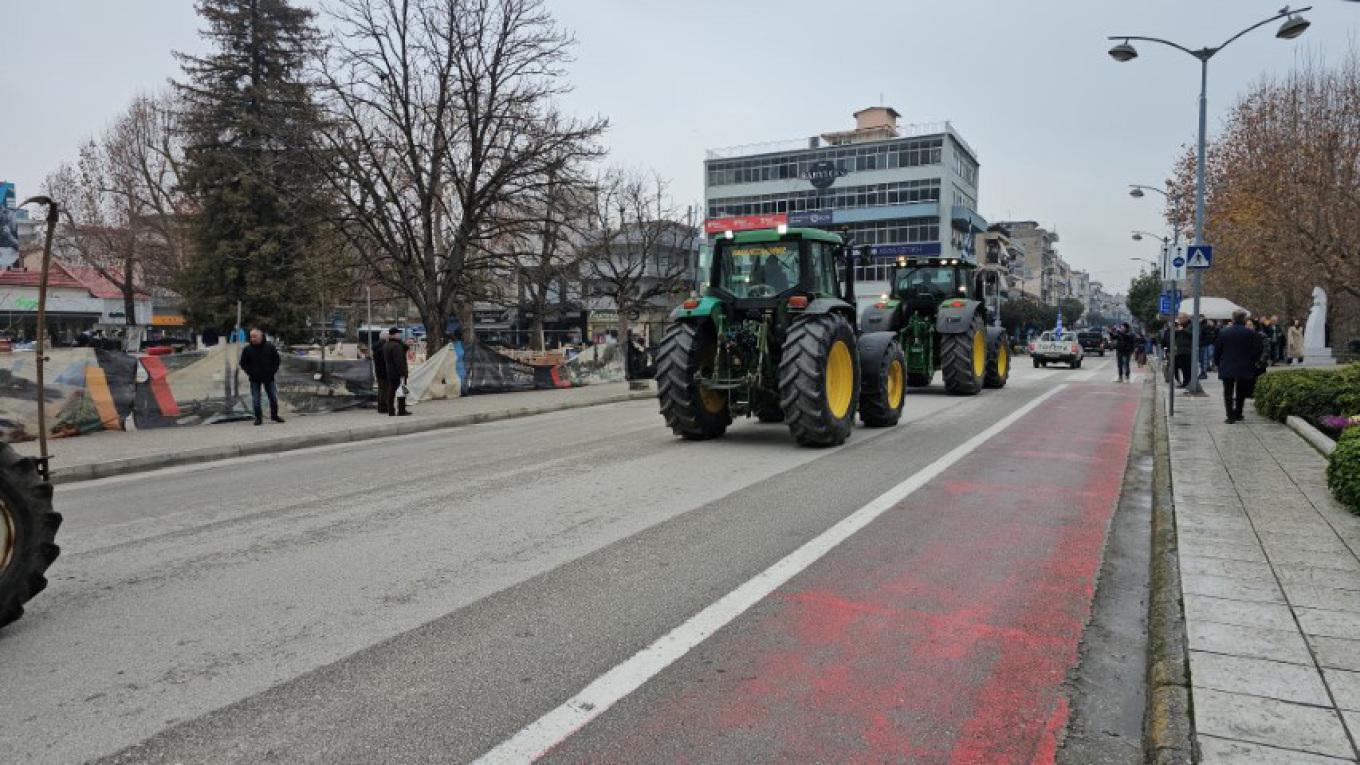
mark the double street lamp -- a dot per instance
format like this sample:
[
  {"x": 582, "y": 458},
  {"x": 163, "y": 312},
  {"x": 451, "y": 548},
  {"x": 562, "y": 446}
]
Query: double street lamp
[{"x": 1293, "y": 26}]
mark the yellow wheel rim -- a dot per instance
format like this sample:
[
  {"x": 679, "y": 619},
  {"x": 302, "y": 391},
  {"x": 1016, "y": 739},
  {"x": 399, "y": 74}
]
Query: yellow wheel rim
[
  {"x": 713, "y": 401},
  {"x": 840, "y": 379},
  {"x": 896, "y": 384},
  {"x": 1003, "y": 360},
  {"x": 9, "y": 537},
  {"x": 979, "y": 354}
]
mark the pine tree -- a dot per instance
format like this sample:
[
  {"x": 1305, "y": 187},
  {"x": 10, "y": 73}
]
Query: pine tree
[{"x": 250, "y": 124}]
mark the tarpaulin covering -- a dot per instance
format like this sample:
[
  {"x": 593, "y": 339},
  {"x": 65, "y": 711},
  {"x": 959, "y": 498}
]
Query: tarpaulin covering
[
  {"x": 438, "y": 377},
  {"x": 90, "y": 390},
  {"x": 493, "y": 372},
  {"x": 594, "y": 366}
]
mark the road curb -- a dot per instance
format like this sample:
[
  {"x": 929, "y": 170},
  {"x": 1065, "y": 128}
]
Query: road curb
[
  {"x": 1312, "y": 435},
  {"x": 1168, "y": 728},
  {"x": 92, "y": 470}
]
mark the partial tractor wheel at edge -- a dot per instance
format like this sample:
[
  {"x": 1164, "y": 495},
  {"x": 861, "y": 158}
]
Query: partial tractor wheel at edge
[{"x": 28, "y": 529}]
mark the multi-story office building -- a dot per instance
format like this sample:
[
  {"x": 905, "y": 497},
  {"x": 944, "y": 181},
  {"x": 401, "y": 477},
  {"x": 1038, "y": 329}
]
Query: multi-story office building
[
  {"x": 905, "y": 190},
  {"x": 1043, "y": 270}
]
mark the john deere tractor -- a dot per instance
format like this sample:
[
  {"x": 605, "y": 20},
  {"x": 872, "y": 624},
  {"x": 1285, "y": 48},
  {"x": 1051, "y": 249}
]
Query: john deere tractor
[
  {"x": 774, "y": 337},
  {"x": 27, "y": 528},
  {"x": 938, "y": 308}
]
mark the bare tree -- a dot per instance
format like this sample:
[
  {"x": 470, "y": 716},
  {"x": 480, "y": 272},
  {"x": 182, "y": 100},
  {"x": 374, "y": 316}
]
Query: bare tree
[
  {"x": 121, "y": 200},
  {"x": 443, "y": 130},
  {"x": 641, "y": 246}
]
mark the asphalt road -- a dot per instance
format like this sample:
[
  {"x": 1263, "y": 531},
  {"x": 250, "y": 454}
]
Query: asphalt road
[{"x": 423, "y": 599}]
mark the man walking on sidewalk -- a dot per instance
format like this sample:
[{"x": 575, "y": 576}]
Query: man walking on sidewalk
[
  {"x": 260, "y": 361},
  {"x": 1236, "y": 353},
  {"x": 394, "y": 364}
]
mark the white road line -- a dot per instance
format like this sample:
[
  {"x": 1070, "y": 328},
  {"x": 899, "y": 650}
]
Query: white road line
[{"x": 548, "y": 731}]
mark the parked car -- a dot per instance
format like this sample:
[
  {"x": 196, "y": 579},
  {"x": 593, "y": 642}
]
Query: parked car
[{"x": 1093, "y": 341}]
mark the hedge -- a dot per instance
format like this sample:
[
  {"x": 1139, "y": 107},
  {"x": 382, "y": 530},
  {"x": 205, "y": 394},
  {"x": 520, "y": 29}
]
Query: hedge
[
  {"x": 1343, "y": 470},
  {"x": 1308, "y": 393}
]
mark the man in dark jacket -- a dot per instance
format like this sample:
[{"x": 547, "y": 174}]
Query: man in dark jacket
[
  {"x": 380, "y": 374},
  {"x": 394, "y": 364},
  {"x": 260, "y": 361},
  {"x": 1236, "y": 353},
  {"x": 1124, "y": 342}
]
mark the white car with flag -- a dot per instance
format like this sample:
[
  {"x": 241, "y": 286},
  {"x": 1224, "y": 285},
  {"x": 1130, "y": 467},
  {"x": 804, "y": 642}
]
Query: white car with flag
[{"x": 1056, "y": 347}]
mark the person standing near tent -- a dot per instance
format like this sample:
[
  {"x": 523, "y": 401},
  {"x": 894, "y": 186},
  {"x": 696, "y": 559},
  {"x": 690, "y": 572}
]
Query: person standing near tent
[
  {"x": 394, "y": 365},
  {"x": 380, "y": 374},
  {"x": 260, "y": 361}
]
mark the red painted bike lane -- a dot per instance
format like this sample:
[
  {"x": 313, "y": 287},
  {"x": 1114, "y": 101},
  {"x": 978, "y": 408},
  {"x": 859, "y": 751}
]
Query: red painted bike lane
[{"x": 941, "y": 632}]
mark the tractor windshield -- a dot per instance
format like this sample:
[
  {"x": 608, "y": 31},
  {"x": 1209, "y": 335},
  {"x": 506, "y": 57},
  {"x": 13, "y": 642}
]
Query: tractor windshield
[
  {"x": 927, "y": 281},
  {"x": 762, "y": 269}
]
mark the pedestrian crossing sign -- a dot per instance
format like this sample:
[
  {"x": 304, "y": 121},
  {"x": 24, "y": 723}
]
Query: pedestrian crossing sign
[{"x": 1199, "y": 256}]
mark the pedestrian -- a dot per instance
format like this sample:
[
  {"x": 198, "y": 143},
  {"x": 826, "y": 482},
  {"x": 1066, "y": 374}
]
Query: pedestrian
[
  {"x": 380, "y": 374},
  {"x": 1179, "y": 371},
  {"x": 1237, "y": 354},
  {"x": 1208, "y": 333},
  {"x": 1294, "y": 342},
  {"x": 1124, "y": 343},
  {"x": 1140, "y": 350},
  {"x": 260, "y": 361},
  {"x": 394, "y": 365}
]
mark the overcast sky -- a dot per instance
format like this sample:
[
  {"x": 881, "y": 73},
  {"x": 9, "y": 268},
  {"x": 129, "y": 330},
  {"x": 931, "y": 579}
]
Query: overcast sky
[{"x": 1059, "y": 127}]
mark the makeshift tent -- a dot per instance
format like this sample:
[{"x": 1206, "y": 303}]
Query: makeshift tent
[
  {"x": 438, "y": 377},
  {"x": 1213, "y": 307}
]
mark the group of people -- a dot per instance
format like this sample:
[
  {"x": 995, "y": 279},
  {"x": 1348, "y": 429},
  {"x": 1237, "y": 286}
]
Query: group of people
[
  {"x": 260, "y": 360},
  {"x": 1280, "y": 344}
]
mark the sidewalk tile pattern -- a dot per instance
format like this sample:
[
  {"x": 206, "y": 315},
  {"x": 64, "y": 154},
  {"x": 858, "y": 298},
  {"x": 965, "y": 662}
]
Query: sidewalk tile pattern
[{"x": 1270, "y": 569}]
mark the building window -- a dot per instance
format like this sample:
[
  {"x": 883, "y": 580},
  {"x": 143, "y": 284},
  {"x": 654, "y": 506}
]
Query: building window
[
  {"x": 910, "y": 152},
  {"x": 850, "y": 197}
]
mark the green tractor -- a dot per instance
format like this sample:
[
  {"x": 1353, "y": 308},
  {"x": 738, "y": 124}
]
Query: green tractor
[
  {"x": 774, "y": 337},
  {"x": 27, "y": 530},
  {"x": 939, "y": 310}
]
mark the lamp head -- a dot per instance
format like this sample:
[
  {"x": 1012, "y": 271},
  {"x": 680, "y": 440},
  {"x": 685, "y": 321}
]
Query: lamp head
[
  {"x": 1292, "y": 27},
  {"x": 1137, "y": 237},
  {"x": 1123, "y": 52},
  {"x": 1136, "y": 193},
  {"x": 39, "y": 200}
]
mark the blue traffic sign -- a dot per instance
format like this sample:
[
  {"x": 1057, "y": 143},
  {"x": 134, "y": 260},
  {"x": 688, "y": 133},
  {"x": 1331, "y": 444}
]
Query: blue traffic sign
[
  {"x": 1169, "y": 302},
  {"x": 1199, "y": 256},
  {"x": 1178, "y": 262}
]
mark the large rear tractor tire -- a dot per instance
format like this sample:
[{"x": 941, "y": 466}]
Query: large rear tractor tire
[
  {"x": 819, "y": 380},
  {"x": 28, "y": 530},
  {"x": 883, "y": 381},
  {"x": 691, "y": 411},
  {"x": 998, "y": 365},
  {"x": 963, "y": 359}
]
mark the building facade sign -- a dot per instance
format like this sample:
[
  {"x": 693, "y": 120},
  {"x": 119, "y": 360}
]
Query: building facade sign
[
  {"x": 923, "y": 249},
  {"x": 810, "y": 218},
  {"x": 823, "y": 174},
  {"x": 745, "y": 223}
]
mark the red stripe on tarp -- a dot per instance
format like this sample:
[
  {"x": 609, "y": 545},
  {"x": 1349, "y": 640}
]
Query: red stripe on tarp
[{"x": 160, "y": 386}]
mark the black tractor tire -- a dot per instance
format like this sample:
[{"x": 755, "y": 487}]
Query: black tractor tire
[
  {"x": 28, "y": 530},
  {"x": 767, "y": 409},
  {"x": 998, "y": 365},
  {"x": 819, "y": 380},
  {"x": 883, "y": 386},
  {"x": 691, "y": 412},
  {"x": 963, "y": 359},
  {"x": 918, "y": 379}
]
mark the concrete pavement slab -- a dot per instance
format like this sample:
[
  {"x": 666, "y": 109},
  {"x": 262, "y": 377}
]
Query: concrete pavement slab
[
  {"x": 1257, "y": 677},
  {"x": 1281, "y": 724},
  {"x": 1221, "y": 751},
  {"x": 1325, "y": 623},
  {"x": 1345, "y": 686},
  {"x": 1232, "y": 588},
  {"x": 1237, "y": 612},
  {"x": 1238, "y": 569},
  {"x": 1323, "y": 577},
  {"x": 1313, "y": 596},
  {"x": 1207, "y": 548},
  {"x": 1337, "y": 653},
  {"x": 1254, "y": 642}
]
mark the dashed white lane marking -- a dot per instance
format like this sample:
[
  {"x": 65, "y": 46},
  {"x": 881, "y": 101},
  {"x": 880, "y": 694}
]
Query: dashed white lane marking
[{"x": 548, "y": 731}]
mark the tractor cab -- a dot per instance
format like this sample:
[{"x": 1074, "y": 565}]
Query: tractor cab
[{"x": 773, "y": 269}]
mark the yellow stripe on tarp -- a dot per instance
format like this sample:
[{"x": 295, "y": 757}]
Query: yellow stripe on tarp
[{"x": 97, "y": 388}]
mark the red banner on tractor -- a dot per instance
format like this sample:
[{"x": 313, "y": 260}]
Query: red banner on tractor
[{"x": 745, "y": 223}]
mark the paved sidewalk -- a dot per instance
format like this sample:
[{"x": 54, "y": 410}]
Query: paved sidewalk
[
  {"x": 113, "y": 453},
  {"x": 1271, "y": 584}
]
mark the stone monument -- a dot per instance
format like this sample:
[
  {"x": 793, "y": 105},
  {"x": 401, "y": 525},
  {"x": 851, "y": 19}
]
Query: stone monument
[{"x": 1315, "y": 350}]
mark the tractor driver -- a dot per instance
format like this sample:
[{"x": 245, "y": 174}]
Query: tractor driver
[{"x": 772, "y": 274}]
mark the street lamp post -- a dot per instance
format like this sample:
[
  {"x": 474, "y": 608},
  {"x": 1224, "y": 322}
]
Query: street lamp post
[
  {"x": 40, "y": 346},
  {"x": 1170, "y": 331},
  {"x": 1293, "y": 26}
]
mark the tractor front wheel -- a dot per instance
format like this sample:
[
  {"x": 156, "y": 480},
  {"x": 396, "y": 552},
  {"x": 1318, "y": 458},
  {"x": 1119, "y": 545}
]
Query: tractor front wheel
[
  {"x": 691, "y": 410},
  {"x": 819, "y": 380},
  {"x": 963, "y": 358},
  {"x": 28, "y": 529},
  {"x": 884, "y": 386},
  {"x": 998, "y": 365}
]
